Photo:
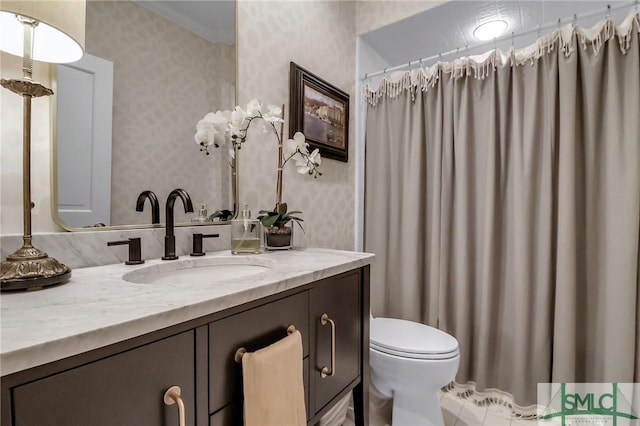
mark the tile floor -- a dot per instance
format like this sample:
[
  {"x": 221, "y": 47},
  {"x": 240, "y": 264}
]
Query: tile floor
[
  {"x": 460, "y": 412},
  {"x": 456, "y": 412}
]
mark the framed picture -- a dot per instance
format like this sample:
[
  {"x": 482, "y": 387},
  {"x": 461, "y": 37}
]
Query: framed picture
[{"x": 321, "y": 112}]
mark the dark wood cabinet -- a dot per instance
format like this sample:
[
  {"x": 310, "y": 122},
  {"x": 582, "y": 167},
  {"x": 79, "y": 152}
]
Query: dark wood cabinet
[
  {"x": 338, "y": 340},
  {"x": 123, "y": 389},
  {"x": 123, "y": 384},
  {"x": 252, "y": 330}
]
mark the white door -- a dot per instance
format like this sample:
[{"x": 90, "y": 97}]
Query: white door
[{"x": 83, "y": 122}]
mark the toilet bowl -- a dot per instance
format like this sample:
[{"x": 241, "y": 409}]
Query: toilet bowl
[{"x": 410, "y": 362}]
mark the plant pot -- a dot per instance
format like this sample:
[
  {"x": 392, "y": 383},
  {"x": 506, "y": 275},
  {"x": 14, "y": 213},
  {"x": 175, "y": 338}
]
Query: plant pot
[{"x": 278, "y": 238}]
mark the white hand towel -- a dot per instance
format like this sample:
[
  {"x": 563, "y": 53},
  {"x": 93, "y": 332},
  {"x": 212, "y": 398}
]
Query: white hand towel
[{"x": 273, "y": 385}]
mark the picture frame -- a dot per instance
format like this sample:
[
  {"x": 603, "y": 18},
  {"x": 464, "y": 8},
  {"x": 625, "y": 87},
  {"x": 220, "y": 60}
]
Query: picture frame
[{"x": 320, "y": 111}]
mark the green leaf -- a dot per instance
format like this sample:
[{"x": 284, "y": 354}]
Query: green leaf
[
  {"x": 269, "y": 220},
  {"x": 295, "y": 212},
  {"x": 283, "y": 209},
  {"x": 297, "y": 219},
  {"x": 300, "y": 226}
]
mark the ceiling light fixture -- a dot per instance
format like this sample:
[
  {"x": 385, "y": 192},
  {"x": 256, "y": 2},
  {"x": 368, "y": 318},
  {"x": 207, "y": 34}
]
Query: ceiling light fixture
[{"x": 490, "y": 29}]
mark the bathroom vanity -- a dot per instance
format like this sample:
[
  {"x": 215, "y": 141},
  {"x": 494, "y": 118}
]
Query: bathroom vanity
[{"x": 102, "y": 350}]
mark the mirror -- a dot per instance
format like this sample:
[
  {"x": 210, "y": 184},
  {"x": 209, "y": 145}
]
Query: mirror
[{"x": 125, "y": 115}]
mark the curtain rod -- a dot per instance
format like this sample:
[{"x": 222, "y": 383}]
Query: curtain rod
[{"x": 513, "y": 34}]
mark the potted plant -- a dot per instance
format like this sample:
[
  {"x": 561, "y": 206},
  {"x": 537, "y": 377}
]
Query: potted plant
[
  {"x": 216, "y": 128},
  {"x": 278, "y": 226}
]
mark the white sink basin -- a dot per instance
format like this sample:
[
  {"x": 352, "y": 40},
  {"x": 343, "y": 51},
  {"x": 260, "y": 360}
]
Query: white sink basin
[{"x": 205, "y": 270}]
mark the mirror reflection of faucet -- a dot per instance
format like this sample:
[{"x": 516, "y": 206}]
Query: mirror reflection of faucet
[
  {"x": 170, "y": 239},
  {"x": 153, "y": 200}
]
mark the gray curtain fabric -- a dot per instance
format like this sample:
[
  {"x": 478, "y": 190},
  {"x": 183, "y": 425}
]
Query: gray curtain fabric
[{"x": 506, "y": 211}]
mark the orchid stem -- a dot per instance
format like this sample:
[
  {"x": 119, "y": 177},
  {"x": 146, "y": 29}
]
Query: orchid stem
[{"x": 280, "y": 164}]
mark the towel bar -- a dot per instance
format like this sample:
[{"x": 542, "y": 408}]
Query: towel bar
[{"x": 241, "y": 351}]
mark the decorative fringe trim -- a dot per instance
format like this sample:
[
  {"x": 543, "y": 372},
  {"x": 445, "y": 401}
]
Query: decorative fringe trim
[
  {"x": 492, "y": 397},
  {"x": 481, "y": 66}
]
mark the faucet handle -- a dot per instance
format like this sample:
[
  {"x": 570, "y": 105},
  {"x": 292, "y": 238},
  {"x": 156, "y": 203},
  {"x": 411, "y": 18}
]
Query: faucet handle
[
  {"x": 135, "y": 250},
  {"x": 197, "y": 243}
]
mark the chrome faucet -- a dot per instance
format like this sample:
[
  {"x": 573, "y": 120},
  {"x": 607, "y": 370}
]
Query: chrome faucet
[
  {"x": 155, "y": 207},
  {"x": 170, "y": 239}
]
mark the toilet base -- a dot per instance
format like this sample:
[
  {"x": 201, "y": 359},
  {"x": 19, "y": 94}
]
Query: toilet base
[{"x": 411, "y": 409}]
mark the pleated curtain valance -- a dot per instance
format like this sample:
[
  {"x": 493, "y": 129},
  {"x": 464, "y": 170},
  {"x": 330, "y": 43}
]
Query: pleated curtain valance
[{"x": 479, "y": 66}]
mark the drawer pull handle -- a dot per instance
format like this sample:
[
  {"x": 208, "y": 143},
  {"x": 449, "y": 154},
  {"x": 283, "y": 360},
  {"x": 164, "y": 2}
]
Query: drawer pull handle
[
  {"x": 325, "y": 371},
  {"x": 172, "y": 396},
  {"x": 241, "y": 351}
]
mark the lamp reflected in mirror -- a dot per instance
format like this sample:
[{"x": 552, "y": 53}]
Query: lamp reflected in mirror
[{"x": 51, "y": 31}]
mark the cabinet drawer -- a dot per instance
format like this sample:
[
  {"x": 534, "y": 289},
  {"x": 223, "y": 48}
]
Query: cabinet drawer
[
  {"x": 124, "y": 389},
  {"x": 253, "y": 329}
]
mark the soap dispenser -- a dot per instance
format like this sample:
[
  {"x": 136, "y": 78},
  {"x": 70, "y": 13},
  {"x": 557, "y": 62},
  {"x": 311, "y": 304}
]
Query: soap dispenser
[
  {"x": 202, "y": 214},
  {"x": 245, "y": 234}
]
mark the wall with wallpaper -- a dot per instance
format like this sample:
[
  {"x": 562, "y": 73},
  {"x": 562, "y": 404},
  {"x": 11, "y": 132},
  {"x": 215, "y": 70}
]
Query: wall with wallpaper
[
  {"x": 320, "y": 37},
  {"x": 185, "y": 77}
]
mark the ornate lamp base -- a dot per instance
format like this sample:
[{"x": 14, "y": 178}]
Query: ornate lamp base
[{"x": 30, "y": 268}]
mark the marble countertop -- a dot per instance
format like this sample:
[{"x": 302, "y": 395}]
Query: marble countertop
[{"x": 97, "y": 307}]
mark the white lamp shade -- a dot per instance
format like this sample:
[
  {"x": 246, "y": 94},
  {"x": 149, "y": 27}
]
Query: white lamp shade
[{"x": 59, "y": 36}]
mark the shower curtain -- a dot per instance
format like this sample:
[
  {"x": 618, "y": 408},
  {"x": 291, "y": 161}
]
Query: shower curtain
[{"x": 503, "y": 205}]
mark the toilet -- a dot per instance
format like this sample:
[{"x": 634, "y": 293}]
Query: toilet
[{"x": 410, "y": 362}]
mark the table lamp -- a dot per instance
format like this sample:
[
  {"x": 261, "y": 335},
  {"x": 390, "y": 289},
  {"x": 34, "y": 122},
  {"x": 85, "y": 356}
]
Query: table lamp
[{"x": 47, "y": 31}]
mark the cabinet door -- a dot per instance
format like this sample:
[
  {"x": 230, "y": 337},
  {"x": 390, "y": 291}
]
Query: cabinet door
[
  {"x": 121, "y": 390},
  {"x": 338, "y": 298},
  {"x": 252, "y": 329}
]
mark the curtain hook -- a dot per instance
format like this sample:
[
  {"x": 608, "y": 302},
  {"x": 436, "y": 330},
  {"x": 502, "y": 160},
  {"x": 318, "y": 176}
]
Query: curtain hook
[
  {"x": 575, "y": 19},
  {"x": 608, "y": 11},
  {"x": 513, "y": 45},
  {"x": 539, "y": 31},
  {"x": 559, "y": 23},
  {"x": 384, "y": 73}
]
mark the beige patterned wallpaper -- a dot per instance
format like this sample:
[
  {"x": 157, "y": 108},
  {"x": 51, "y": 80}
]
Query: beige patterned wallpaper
[
  {"x": 320, "y": 37},
  {"x": 165, "y": 80}
]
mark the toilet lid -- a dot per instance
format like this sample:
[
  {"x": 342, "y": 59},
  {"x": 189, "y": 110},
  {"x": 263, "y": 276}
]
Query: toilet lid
[{"x": 411, "y": 339}]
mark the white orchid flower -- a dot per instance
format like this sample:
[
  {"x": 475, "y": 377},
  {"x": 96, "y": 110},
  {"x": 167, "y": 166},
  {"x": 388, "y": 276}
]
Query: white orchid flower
[
  {"x": 216, "y": 118},
  {"x": 273, "y": 114},
  {"x": 315, "y": 157},
  {"x": 254, "y": 108},
  {"x": 205, "y": 132},
  {"x": 303, "y": 166},
  {"x": 202, "y": 137},
  {"x": 308, "y": 164},
  {"x": 207, "y": 138},
  {"x": 219, "y": 137},
  {"x": 238, "y": 118},
  {"x": 292, "y": 146}
]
